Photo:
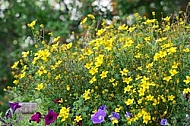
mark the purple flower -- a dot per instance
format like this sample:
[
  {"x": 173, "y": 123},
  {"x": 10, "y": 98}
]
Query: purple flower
[
  {"x": 8, "y": 114},
  {"x": 103, "y": 107},
  {"x": 128, "y": 114},
  {"x": 114, "y": 115},
  {"x": 98, "y": 117},
  {"x": 50, "y": 117},
  {"x": 14, "y": 106},
  {"x": 36, "y": 117},
  {"x": 164, "y": 122}
]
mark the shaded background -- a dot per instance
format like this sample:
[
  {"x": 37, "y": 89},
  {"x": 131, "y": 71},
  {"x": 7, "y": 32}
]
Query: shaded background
[{"x": 62, "y": 17}]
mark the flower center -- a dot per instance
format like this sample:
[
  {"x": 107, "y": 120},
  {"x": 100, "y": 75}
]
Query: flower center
[{"x": 100, "y": 117}]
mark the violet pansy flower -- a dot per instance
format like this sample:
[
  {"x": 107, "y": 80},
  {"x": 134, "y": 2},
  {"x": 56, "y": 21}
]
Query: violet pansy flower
[
  {"x": 114, "y": 115},
  {"x": 164, "y": 122},
  {"x": 128, "y": 114},
  {"x": 50, "y": 117},
  {"x": 103, "y": 107},
  {"x": 14, "y": 106},
  {"x": 98, "y": 117},
  {"x": 36, "y": 117}
]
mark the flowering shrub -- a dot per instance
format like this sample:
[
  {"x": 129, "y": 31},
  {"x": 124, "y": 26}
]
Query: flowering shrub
[{"x": 135, "y": 75}]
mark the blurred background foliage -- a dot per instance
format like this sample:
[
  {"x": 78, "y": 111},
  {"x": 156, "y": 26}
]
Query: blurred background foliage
[{"x": 62, "y": 17}]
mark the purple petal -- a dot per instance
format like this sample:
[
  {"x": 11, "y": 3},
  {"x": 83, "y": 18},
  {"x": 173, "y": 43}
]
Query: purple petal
[
  {"x": 36, "y": 117},
  {"x": 14, "y": 106},
  {"x": 114, "y": 115},
  {"x": 98, "y": 117},
  {"x": 103, "y": 107},
  {"x": 50, "y": 117}
]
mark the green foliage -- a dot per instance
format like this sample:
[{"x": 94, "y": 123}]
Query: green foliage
[{"x": 142, "y": 69}]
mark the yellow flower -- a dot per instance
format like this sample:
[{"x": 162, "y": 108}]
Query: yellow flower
[
  {"x": 118, "y": 109},
  {"x": 173, "y": 72},
  {"x": 124, "y": 72},
  {"x": 167, "y": 78},
  {"x": 15, "y": 82},
  {"x": 128, "y": 88},
  {"x": 86, "y": 94},
  {"x": 41, "y": 71},
  {"x": 15, "y": 65},
  {"x": 141, "y": 92},
  {"x": 68, "y": 46},
  {"x": 171, "y": 97},
  {"x": 149, "y": 97},
  {"x": 146, "y": 118},
  {"x": 25, "y": 54},
  {"x": 103, "y": 74},
  {"x": 83, "y": 21},
  {"x": 187, "y": 80},
  {"x": 68, "y": 87},
  {"x": 114, "y": 120},
  {"x": 91, "y": 16},
  {"x": 186, "y": 90},
  {"x": 92, "y": 80},
  {"x": 88, "y": 65},
  {"x": 78, "y": 118},
  {"x": 93, "y": 70},
  {"x": 39, "y": 87},
  {"x": 64, "y": 113},
  {"x": 32, "y": 24},
  {"x": 127, "y": 80},
  {"x": 129, "y": 102},
  {"x": 111, "y": 80},
  {"x": 172, "y": 50}
]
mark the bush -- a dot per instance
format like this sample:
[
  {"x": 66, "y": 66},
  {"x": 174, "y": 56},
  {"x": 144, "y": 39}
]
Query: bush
[{"x": 133, "y": 75}]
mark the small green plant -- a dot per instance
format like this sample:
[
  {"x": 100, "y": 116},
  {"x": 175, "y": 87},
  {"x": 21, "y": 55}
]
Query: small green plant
[{"x": 137, "y": 75}]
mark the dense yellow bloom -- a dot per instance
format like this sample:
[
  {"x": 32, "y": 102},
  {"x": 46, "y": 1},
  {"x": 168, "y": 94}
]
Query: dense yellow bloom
[
  {"x": 78, "y": 119},
  {"x": 64, "y": 113},
  {"x": 39, "y": 87}
]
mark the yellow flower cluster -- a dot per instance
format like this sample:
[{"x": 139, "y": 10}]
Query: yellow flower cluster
[{"x": 143, "y": 69}]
